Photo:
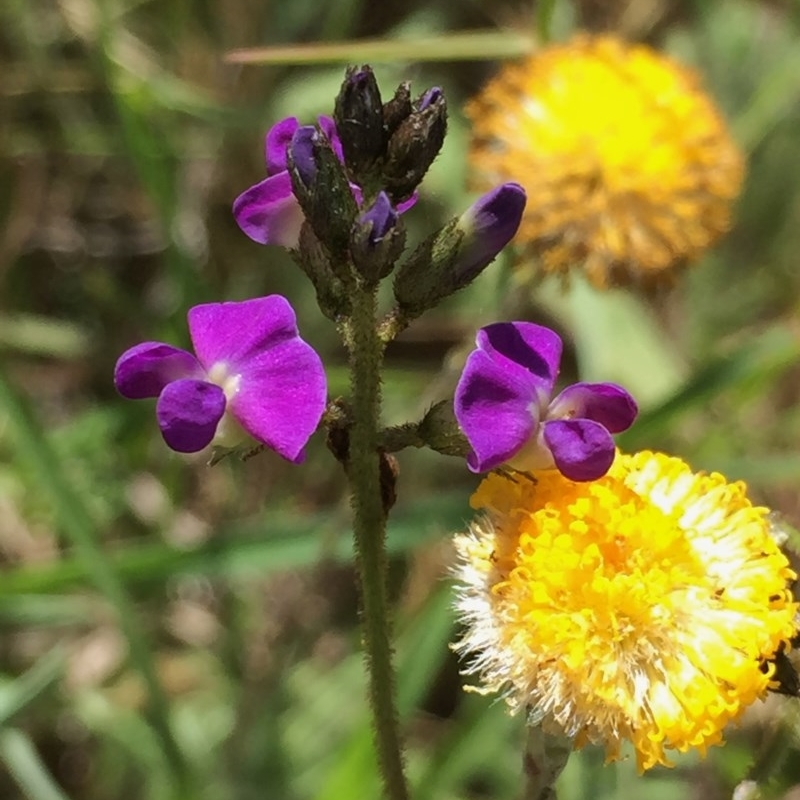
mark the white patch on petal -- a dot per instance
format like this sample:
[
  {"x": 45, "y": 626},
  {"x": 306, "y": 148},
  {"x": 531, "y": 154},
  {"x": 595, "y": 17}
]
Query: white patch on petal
[{"x": 218, "y": 374}]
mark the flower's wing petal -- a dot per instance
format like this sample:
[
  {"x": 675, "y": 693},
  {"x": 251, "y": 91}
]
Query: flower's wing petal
[
  {"x": 534, "y": 347},
  {"x": 233, "y": 333},
  {"x": 188, "y": 412},
  {"x": 606, "y": 403},
  {"x": 328, "y": 127},
  {"x": 144, "y": 370},
  {"x": 582, "y": 450},
  {"x": 276, "y": 142},
  {"x": 406, "y": 204},
  {"x": 282, "y": 396},
  {"x": 269, "y": 212},
  {"x": 496, "y": 409}
]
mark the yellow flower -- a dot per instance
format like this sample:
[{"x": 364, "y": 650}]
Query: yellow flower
[
  {"x": 643, "y": 606},
  {"x": 628, "y": 165}
]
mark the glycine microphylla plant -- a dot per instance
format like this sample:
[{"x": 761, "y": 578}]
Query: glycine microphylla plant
[{"x": 335, "y": 196}]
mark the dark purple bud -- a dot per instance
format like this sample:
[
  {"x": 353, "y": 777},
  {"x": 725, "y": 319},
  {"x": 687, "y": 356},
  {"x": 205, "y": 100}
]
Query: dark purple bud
[
  {"x": 428, "y": 98},
  {"x": 414, "y": 145},
  {"x": 488, "y": 226},
  {"x": 398, "y": 108},
  {"x": 301, "y": 154},
  {"x": 378, "y": 239},
  {"x": 359, "y": 121},
  {"x": 379, "y": 219},
  {"x": 322, "y": 190},
  {"x": 454, "y": 256}
]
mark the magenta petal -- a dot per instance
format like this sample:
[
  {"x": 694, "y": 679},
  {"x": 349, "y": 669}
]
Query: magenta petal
[
  {"x": 188, "y": 412},
  {"x": 282, "y": 396},
  {"x": 534, "y": 347},
  {"x": 233, "y": 333},
  {"x": 406, "y": 204},
  {"x": 276, "y": 144},
  {"x": 496, "y": 408},
  {"x": 269, "y": 212},
  {"x": 582, "y": 450},
  {"x": 144, "y": 370},
  {"x": 606, "y": 403},
  {"x": 328, "y": 127}
]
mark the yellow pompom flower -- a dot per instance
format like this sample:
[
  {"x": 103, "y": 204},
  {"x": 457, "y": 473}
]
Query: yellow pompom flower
[
  {"x": 629, "y": 168},
  {"x": 640, "y": 607}
]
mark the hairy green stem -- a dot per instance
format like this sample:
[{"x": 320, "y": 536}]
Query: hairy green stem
[
  {"x": 544, "y": 760},
  {"x": 369, "y": 527}
]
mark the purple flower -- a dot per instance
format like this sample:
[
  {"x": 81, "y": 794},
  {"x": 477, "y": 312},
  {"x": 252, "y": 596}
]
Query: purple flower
[
  {"x": 269, "y": 212},
  {"x": 252, "y": 374},
  {"x": 379, "y": 220},
  {"x": 503, "y": 406}
]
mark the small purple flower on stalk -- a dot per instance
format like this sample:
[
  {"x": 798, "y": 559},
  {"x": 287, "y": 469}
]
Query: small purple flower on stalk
[
  {"x": 252, "y": 374},
  {"x": 503, "y": 406},
  {"x": 269, "y": 212}
]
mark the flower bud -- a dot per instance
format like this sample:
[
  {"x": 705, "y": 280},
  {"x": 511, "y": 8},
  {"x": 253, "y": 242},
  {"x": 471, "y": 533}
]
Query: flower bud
[
  {"x": 322, "y": 189},
  {"x": 415, "y": 144},
  {"x": 489, "y": 224},
  {"x": 359, "y": 121},
  {"x": 378, "y": 239},
  {"x": 398, "y": 108},
  {"x": 454, "y": 256},
  {"x": 301, "y": 153},
  {"x": 439, "y": 430}
]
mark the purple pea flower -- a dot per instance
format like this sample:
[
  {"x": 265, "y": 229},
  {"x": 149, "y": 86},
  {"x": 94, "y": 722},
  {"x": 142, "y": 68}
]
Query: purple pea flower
[
  {"x": 252, "y": 374},
  {"x": 503, "y": 406},
  {"x": 268, "y": 212}
]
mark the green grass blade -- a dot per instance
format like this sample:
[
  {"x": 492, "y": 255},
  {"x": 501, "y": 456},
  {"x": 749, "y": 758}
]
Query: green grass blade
[
  {"x": 76, "y": 523},
  {"x": 26, "y": 767},
  {"x": 20, "y": 693},
  {"x": 470, "y": 46}
]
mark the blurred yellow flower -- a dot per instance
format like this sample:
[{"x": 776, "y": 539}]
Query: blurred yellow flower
[
  {"x": 629, "y": 168},
  {"x": 643, "y": 606}
]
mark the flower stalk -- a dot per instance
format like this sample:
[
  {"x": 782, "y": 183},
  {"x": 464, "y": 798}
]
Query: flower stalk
[
  {"x": 369, "y": 529},
  {"x": 544, "y": 760}
]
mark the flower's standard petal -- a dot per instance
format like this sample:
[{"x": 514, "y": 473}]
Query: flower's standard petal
[
  {"x": 282, "y": 396},
  {"x": 233, "y": 333},
  {"x": 496, "y": 408},
  {"x": 144, "y": 370},
  {"x": 188, "y": 412},
  {"x": 534, "y": 347},
  {"x": 276, "y": 143},
  {"x": 269, "y": 212},
  {"x": 582, "y": 450},
  {"x": 606, "y": 403}
]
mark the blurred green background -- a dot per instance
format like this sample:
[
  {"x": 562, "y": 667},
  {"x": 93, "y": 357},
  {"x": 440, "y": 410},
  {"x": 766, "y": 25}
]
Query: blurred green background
[{"x": 173, "y": 631}]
